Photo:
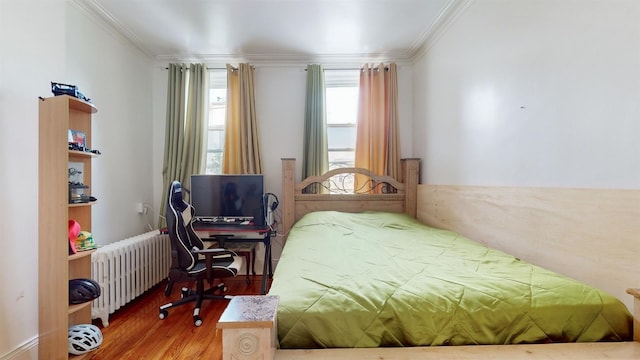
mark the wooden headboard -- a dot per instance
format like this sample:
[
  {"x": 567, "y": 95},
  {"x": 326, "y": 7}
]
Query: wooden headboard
[{"x": 296, "y": 203}]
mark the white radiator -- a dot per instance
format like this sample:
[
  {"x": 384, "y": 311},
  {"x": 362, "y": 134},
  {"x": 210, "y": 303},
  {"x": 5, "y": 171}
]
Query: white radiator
[{"x": 127, "y": 268}]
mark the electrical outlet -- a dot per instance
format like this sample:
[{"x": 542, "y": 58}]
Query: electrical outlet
[{"x": 140, "y": 208}]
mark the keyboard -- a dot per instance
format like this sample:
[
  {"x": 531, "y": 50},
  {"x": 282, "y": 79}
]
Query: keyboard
[
  {"x": 211, "y": 220},
  {"x": 224, "y": 220}
]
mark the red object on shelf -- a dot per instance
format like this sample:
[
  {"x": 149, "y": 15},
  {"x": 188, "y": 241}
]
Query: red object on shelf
[{"x": 74, "y": 230}]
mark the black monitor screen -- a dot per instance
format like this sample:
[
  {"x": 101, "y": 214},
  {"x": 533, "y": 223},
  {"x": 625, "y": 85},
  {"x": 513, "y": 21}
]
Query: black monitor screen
[{"x": 228, "y": 196}]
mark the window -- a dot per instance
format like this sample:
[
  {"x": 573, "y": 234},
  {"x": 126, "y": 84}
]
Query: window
[
  {"x": 217, "y": 115},
  {"x": 342, "y": 114}
]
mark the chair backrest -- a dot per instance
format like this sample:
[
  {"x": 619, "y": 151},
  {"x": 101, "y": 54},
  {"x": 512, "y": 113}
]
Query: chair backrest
[{"x": 183, "y": 238}]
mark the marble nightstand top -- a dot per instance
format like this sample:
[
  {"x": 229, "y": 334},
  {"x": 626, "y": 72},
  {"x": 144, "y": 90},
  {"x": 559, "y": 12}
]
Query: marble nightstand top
[{"x": 249, "y": 312}]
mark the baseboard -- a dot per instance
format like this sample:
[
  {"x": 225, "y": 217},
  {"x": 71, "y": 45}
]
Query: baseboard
[{"x": 26, "y": 351}]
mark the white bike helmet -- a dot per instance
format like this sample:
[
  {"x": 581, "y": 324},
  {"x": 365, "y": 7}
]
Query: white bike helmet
[{"x": 84, "y": 338}]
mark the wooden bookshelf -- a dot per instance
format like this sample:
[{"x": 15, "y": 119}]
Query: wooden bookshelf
[{"x": 58, "y": 114}]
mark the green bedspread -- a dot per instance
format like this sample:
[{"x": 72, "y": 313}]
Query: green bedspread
[{"x": 383, "y": 279}]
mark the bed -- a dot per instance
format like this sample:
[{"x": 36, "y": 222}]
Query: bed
[
  {"x": 358, "y": 270},
  {"x": 380, "y": 279}
]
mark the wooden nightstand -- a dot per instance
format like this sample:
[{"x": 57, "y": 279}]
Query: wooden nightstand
[{"x": 249, "y": 329}]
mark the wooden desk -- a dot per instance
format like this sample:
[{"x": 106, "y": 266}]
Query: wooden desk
[{"x": 241, "y": 233}]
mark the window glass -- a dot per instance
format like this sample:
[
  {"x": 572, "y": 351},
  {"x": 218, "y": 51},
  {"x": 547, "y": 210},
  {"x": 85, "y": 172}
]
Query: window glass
[
  {"x": 217, "y": 114},
  {"x": 342, "y": 114},
  {"x": 341, "y": 137}
]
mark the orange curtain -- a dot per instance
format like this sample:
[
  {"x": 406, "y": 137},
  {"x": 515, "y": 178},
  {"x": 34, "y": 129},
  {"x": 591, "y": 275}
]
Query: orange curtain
[
  {"x": 241, "y": 154},
  {"x": 377, "y": 137}
]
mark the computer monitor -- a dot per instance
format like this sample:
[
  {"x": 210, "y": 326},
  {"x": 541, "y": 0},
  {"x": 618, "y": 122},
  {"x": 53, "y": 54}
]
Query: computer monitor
[{"x": 229, "y": 197}]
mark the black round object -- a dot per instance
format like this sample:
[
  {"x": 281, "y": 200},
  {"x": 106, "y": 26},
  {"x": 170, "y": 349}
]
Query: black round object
[{"x": 83, "y": 290}]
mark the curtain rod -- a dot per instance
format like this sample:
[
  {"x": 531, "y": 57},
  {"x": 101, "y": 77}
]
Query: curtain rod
[
  {"x": 213, "y": 68},
  {"x": 386, "y": 68}
]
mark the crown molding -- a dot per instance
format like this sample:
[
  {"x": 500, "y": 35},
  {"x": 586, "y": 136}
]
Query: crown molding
[
  {"x": 104, "y": 19},
  {"x": 447, "y": 16},
  {"x": 333, "y": 59},
  {"x": 288, "y": 60}
]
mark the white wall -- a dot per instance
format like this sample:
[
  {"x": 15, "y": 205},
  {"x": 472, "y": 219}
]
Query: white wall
[
  {"x": 118, "y": 79},
  {"x": 28, "y": 63},
  {"x": 532, "y": 93},
  {"x": 280, "y": 101},
  {"x": 53, "y": 40}
]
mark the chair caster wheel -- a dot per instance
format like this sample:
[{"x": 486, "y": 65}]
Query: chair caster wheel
[
  {"x": 163, "y": 314},
  {"x": 197, "y": 320},
  {"x": 167, "y": 289},
  {"x": 185, "y": 292}
]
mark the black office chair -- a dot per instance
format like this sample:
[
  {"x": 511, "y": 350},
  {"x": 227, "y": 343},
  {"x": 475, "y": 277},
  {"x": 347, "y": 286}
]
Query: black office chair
[{"x": 187, "y": 264}]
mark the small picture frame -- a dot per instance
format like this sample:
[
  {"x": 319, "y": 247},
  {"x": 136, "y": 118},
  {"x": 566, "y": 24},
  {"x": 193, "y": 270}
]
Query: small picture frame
[
  {"x": 76, "y": 170},
  {"x": 77, "y": 137}
]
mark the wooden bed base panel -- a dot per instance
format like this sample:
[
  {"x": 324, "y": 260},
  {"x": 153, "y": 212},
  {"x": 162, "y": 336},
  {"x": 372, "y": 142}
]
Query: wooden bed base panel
[
  {"x": 591, "y": 235},
  {"x": 578, "y": 351}
]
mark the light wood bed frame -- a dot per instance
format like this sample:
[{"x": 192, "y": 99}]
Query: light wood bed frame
[{"x": 296, "y": 204}]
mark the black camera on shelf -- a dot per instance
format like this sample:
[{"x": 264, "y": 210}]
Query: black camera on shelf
[
  {"x": 66, "y": 89},
  {"x": 78, "y": 147},
  {"x": 78, "y": 193}
]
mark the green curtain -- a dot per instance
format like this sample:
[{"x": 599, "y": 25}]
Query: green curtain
[
  {"x": 241, "y": 153},
  {"x": 315, "y": 158},
  {"x": 187, "y": 109}
]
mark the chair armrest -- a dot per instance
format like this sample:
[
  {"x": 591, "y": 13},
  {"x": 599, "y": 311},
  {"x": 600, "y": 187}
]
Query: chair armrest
[
  {"x": 209, "y": 255},
  {"x": 218, "y": 251}
]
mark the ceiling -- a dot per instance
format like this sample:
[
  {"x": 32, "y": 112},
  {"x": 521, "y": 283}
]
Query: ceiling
[{"x": 276, "y": 30}]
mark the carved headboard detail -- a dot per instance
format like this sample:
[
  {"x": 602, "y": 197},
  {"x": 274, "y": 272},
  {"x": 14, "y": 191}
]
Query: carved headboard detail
[{"x": 335, "y": 190}]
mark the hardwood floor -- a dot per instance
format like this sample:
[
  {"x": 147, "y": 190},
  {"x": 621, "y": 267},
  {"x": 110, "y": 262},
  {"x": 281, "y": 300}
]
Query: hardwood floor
[{"x": 136, "y": 332}]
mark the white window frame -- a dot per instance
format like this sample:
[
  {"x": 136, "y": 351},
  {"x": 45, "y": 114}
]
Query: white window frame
[
  {"x": 335, "y": 79},
  {"x": 217, "y": 81}
]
